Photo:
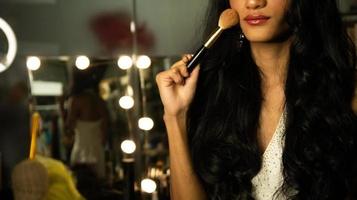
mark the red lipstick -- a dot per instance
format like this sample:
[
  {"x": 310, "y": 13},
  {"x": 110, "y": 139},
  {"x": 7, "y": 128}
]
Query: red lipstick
[{"x": 256, "y": 19}]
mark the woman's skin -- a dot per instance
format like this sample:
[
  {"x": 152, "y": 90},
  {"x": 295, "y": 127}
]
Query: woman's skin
[
  {"x": 270, "y": 49},
  {"x": 87, "y": 107}
]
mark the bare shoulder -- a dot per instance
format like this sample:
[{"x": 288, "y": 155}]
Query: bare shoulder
[{"x": 75, "y": 102}]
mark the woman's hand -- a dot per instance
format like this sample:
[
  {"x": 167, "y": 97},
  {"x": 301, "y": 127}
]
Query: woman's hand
[{"x": 177, "y": 87}]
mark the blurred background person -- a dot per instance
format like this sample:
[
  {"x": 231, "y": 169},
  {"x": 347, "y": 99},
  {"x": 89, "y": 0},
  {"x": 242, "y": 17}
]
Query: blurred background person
[{"x": 87, "y": 121}]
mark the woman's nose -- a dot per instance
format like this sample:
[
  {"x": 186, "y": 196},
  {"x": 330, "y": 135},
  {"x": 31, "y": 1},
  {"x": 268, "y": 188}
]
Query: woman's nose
[{"x": 255, "y": 4}]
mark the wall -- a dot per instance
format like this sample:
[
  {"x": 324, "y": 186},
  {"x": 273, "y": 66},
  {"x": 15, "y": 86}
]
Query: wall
[{"x": 60, "y": 27}]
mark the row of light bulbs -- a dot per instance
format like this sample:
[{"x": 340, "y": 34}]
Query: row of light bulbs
[
  {"x": 145, "y": 123},
  {"x": 83, "y": 62},
  {"x": 124, "y": 62},
  {"x": 147, "y": 185}
]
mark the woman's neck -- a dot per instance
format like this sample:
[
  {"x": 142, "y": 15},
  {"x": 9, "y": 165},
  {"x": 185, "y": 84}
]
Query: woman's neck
[{"x": 272, "y": 60}]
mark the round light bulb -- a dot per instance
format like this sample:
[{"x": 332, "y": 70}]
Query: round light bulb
[
  {"x": 126, "y": 102},
  {"x": 128, "y": 146},
  {"x": 148, "y": 185},
  {"x": 146, "y": 123},
  {"x": 125, "y": 62},
  {"x": 82, "y": 62},
  {"x": 143, "y": 62},
  {"x": 12, "y": 45},
  {"x": 33, "y": 63}
]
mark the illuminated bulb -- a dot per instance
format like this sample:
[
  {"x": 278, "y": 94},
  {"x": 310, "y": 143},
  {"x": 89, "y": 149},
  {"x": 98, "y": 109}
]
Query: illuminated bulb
[
  {"x": 82, "y": 62},
  {"x": 125, "y": 62},
  {"x": 148, "y": 185},
  {"x": 132, "y": 27},
  {"x": 126, "y": 102},
  {"x": 143, "y": 62},
  {"x": 146, "y": 123},
  {"x": 128, "y": 146},
  {"x": 12, "y": 45},
  {"x": 33, "y": 63}
]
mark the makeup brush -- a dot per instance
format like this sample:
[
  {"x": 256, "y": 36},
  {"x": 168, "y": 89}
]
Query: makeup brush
[{"x": 227, "y": 19}]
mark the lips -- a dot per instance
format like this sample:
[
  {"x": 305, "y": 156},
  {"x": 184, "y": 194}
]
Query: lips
[{"x": 256, "y": 19}]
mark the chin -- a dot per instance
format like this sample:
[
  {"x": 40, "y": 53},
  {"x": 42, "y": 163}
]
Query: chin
[
  {"x": 261, "y": 38},
  {"x": 266, "y": 36}
]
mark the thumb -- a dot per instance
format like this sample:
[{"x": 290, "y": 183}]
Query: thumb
[{"x": 192, "y": 79}]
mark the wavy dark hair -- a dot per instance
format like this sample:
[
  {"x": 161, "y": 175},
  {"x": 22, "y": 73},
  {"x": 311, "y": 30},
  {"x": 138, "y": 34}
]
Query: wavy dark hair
[{"x": 319, "y": 155}]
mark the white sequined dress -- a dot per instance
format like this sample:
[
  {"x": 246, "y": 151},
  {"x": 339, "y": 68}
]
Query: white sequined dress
[{"x": 270, "y": 177}]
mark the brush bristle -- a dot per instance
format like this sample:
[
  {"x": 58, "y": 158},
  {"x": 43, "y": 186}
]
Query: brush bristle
[{"x": 228, "y": 18}]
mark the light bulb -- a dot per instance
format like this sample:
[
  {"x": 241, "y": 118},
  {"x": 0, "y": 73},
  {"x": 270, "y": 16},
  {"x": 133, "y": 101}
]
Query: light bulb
[
  {"x": 125, "y": 62},
  {"x": 12, "y": 45},
  {"x": 143, "y": 62},
  {"x": 132, "y": 27},
  {"x": 128, "y": 146},
  {"x": 82, "y": 62},
  {"x": 148, "y": 185},
  {"x": 33, "y": 63},
  {"x": 146, "y": 123},
  {"x": 126, "y": 102}
]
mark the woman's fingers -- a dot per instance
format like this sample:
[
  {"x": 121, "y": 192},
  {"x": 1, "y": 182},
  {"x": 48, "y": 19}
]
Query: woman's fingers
[
  {"x": 177, "y": 86},
  {"x": 170, "y": 77},
  {"x": 177, "y": 73},
  {"x": 186, "y": 58},
  {"x": 182, "y": 65},
  {"x": 192, "y": 80}
]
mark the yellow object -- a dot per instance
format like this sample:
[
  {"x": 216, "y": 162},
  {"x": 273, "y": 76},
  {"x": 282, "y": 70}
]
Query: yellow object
[
  {"x": 61, "y": 183},
  {"x": 35, "y": 124}
]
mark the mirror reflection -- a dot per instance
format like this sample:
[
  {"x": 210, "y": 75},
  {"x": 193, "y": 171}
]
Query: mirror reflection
[
  {"x": 85, "y": 115},
  {"x": 81, "y": 100}
]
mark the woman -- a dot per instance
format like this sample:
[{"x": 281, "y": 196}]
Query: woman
[
  {"x": 270, "y": 115},
  {"x": 88, "y": 121}
]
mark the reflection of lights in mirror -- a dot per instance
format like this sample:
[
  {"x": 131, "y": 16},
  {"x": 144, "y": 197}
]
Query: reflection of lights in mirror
[
  {"x": 130, "y": 90},
  {"x": 132, "y": 27},
  {"x": 33, "y": 63},
  {"x": 143, "y": 62},
  {"x": 4, "y": 44},
  {"x": 125, "y": 62},
  {"x": 152, "y": 153},
  {"x": 155, "y": 173},
  {"x": 148, "y": 185},
  {"x": 82, "y": 62},
  {"x": 9, "y": 57},
  {"x": 126, "y": 102},
  {"x": 128, "y": 146},
  {"x": 146, "y": 123}
]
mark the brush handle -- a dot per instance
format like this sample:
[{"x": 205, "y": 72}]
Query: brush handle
[
  {"x": 196, "y": 58},
  {"x": 35, "y": 125}
]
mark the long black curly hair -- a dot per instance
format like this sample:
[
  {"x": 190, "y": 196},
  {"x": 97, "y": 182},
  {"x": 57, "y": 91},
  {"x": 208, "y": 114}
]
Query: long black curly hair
[{"x": 319, "y": 157}]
